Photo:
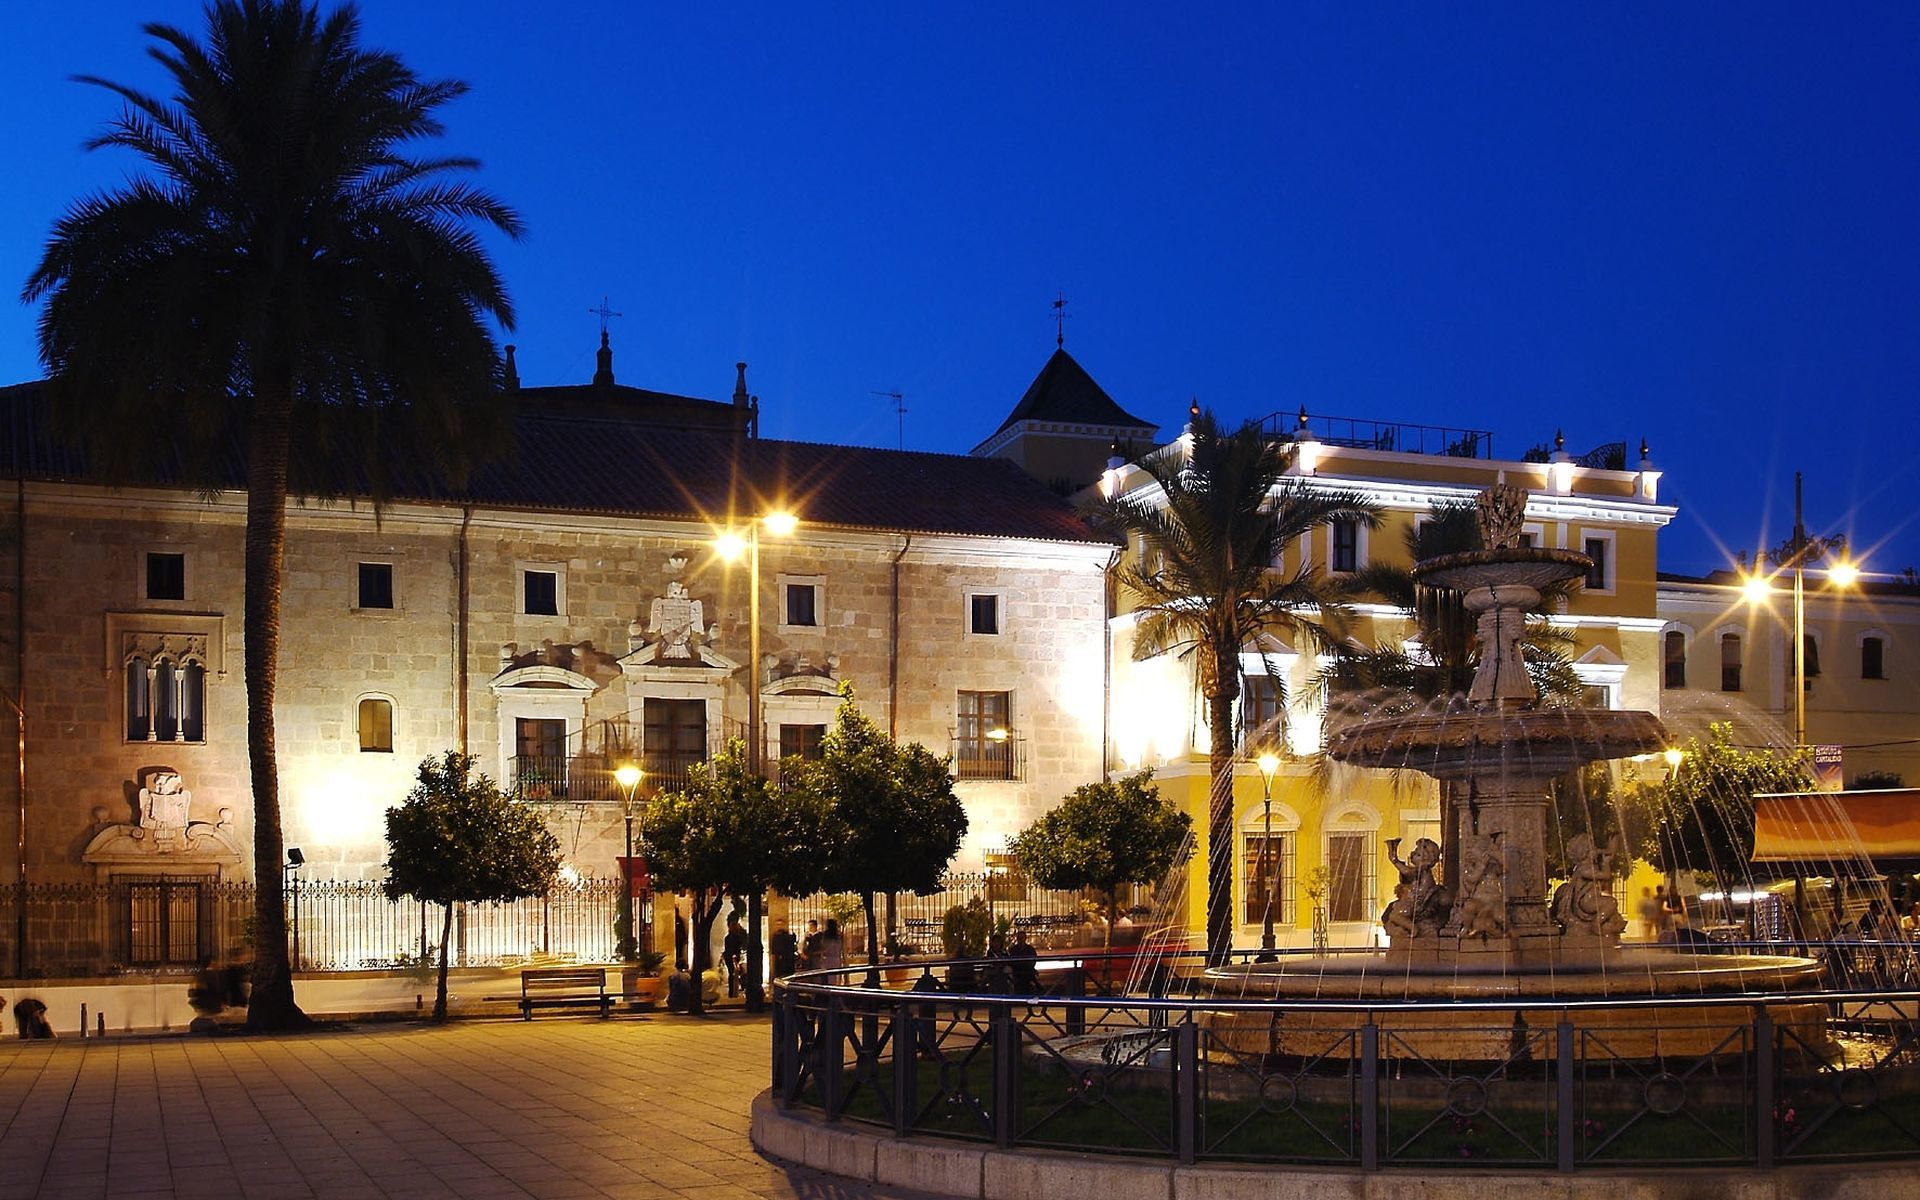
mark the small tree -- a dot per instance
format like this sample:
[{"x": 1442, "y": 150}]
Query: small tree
[
  {"x": 458, "y": 839},
  {"x": 1702, "y": 817},
  {"x": 896, "y": 822},
  {"x": 1105, "y": 836},
  {"x": 732, "y": 832}
]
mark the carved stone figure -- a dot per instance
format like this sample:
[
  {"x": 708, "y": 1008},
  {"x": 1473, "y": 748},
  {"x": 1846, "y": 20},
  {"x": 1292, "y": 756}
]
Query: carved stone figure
[
  {"x": 1585, "y": 903},
  {"x": 1483, "y": 888},
  {"x": 677, "y": 619},
  {"x": 1502, "y": 513},
  {"x": 165, "y": 808},
  {"x": 1419, "y": 904}
]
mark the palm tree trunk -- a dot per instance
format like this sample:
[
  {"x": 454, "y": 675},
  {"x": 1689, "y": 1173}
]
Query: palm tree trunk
[
  {"x": 1220, "y": 829},
  {"x": 440, "y": 996},
  {"x": 272, "y": 1005}
]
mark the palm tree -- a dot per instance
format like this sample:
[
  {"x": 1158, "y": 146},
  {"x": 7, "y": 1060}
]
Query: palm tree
[
  {"x": 282, "y": 270},
  {"x": 1206, "y": 585}
]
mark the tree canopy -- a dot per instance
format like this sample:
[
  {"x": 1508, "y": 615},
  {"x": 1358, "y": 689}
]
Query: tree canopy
[
  {"x": 458, "y": 839},
  {"x": 1701, "y": 817},
  {"x": 1105, "y": 836},
  {"x": 896, "y": 822}
]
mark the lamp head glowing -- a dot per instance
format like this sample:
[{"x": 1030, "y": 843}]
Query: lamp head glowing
[
  {"x": 1673, "y": 757},
  {"x": 1756, "y": 588},
  {"x": 1269, "y": 763},
  {"x": 729, "y": 545},
  {"x": 997, "y": 735},
  {"x": 780, "y": 523},
  {"x": 627, "y": 776},
  {"x": 1844, "y": 573}
]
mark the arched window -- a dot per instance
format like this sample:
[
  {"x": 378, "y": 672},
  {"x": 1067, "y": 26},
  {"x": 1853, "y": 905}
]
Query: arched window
[
  {"x": 166, "y": 709},
  {"x": 1729, "y": 662},
  {"x": 1675, "y": 653},
  {"x": 193, "y": 703},
  {"x": 376, "y": 726},
  {"x": 139, "y": 710}
]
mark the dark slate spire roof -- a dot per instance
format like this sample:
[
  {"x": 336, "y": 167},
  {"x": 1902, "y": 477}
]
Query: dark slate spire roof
[{"x": 1063, "y": 391}]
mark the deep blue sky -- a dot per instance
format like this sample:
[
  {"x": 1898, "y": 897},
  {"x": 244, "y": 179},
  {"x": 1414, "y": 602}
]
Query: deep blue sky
[{"x": 1693, "y": 223}]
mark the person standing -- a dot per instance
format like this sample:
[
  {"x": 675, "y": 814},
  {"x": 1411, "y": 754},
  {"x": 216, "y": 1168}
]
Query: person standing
[
  {"x": 733, "y": 953},
  {"x": 831, "y": 952},
  {"x": 810, "y": 949},
  {"x": 785, "y": 949}
]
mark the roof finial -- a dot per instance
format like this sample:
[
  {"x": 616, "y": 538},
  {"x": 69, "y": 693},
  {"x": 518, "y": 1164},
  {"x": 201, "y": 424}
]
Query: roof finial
[
  {"x": 740, "y": 385},
  {"x": 1060, "y": 320},
  {"x": 511, "y": 376},
  {"x": 603, "y": 372}
]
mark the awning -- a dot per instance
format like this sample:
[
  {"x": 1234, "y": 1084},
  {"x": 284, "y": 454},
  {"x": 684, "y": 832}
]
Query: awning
[{"x": 1817, "y": 827}]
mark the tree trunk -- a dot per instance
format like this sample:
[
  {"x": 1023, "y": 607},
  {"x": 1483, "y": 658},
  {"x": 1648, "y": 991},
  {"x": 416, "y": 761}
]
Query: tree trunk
[
  {"x": 704, "y": 912},
  {"x": 873, "y": 942},
  {"x": 1220, "y": 828},
  {"x": 440, "y": 996},
  {"x": 756, "y": 960},
  {"x": 272, "y": 1005}
]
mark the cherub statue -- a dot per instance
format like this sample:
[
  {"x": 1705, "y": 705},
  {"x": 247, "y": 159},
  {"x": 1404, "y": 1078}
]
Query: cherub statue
[
  {"x": 1585, "y": 903},
  {"x": 1483, "y": 888},
  {"x": 1419, "y": 904}
]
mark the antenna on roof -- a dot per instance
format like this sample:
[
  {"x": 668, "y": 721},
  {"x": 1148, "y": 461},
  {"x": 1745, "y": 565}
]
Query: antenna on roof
[
  {"x": 899, "y": 412},
  {"x": 1060, "y": 314}
]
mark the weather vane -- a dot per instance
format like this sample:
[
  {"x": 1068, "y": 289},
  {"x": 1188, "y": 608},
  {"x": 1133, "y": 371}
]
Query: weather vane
[
  {"x": 1060, "y": 319},
  {"x": 604, "y": 312}
]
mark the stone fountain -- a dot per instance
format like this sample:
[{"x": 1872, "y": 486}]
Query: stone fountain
[{"x": 1491, "y": 928}]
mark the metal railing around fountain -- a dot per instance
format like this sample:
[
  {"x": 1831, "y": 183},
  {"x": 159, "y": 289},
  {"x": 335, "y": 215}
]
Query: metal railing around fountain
[{"x": 1726, "y": 1080}]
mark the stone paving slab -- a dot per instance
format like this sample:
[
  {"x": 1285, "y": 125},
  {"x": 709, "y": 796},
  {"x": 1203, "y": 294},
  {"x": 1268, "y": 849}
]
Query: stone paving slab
[{"x": 557, "y": 1107}]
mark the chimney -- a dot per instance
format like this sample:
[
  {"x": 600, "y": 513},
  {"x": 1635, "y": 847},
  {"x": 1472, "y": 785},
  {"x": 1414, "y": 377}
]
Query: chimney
[
  {"x": 740, "y": 385},
  {"x": 512, "y": 377}
]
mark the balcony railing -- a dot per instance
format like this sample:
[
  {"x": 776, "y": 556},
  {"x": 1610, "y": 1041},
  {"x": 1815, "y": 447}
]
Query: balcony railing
[
  {"x": 993, "y": 758},
  {"x": 588, "y": 779}
]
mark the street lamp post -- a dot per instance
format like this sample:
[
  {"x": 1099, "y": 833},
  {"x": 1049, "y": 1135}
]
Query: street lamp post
[
  {"x": 1794, "y": 555},
  {"x": 628, "y": 775},
  {"x": 1269, "y": 763}
]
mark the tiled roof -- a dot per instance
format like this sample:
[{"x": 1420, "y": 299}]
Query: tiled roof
[
  {"x": 1063, "y": 391},
  {"x": 599, "y": 464}
]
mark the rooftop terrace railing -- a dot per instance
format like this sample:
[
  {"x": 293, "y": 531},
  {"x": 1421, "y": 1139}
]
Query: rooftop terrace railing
[
  {"x": 1758, "y": 1080},
  {"x": 1402, "y": 437}
]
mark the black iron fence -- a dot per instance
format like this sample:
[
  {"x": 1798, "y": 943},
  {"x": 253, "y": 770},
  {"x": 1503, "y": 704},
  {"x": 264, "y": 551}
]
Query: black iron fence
[
  {"x": 1050, "y": 919},
  {"x": 1750, "y": 1080},
  {"x": 164, "y": 925}
]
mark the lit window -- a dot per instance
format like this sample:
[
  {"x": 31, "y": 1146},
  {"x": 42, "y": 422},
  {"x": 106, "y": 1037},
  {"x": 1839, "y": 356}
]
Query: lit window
[
  {"x": 376, "y": 726},
  {"x": 1676, "y": 659},
  {"x": 983, "y": 739},
  {"x": 1873, "y": 658},
  {"x": 983, "y": 614},
  {"x": 1260, "y": 706},
  {"x": 376, "y": 585},
  {"x": 1730, "y": 662},
  {"x": 166, "y": 577}
]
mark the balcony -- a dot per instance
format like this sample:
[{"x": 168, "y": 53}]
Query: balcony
[
  {"x": 1003, "y": 757},
  {"x": 1400, "y": 437},
  {"x": 588, "y": 779}
]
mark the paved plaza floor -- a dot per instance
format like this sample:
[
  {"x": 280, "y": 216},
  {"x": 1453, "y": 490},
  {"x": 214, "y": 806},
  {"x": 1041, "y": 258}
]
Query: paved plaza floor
[{"x": 560, "y": 1107}]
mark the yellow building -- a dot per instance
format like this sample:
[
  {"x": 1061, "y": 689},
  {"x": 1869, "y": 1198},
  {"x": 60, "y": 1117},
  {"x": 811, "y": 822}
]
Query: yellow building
[{"x": 1338, "y": 820}]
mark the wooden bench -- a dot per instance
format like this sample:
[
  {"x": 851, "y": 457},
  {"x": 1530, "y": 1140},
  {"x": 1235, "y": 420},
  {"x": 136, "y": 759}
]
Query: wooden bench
[{"x": 563, "y": 987}]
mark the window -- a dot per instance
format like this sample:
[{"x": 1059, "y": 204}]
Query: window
[
  {"x": 802, "y": 741},
  {"x": 673, "y": 737},
  {"x": 540, "y": 593},
  {"x": 376, "y": 726},
  {"x": 983, "y": 739},
  {"x": 1598, "y": 574},
  {"x": 1813, "y": 659},
  {"x": 1267, "y": 868},
  {"x": 166, "y": 699},
  {"x": 163, "y": 923},
  {"x": 1350, "y": 876},
  {"x": 1260, "y": 706},
  {"x": 539, "y": 757},
  {"x": 801, "y": 605},
  {"x": 983, "y": 613},
  {"x": 1528, "y": 539},
  {"x": 1346, "y": 546},
  {"x": 376, "y": 585},
  {"x": 1729, "y": 662},
  {"x": 1873, "y": 658},
  {"x": 166, "y": 576},
  {"x": 1675, "y": 654}
]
